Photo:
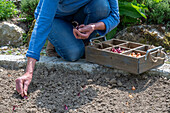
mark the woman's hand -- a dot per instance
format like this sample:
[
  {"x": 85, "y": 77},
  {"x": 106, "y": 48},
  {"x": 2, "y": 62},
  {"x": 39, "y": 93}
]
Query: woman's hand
[
  {"x": 22, "y": 84},
  {"x": 83, "y": 31}
]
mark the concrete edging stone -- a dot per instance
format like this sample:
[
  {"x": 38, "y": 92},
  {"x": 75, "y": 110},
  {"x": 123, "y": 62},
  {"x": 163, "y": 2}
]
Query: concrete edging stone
[{"x": 81, "y": 66}]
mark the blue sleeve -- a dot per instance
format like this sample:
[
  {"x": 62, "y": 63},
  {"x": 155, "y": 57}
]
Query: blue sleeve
[
  {"x": 112, "y": 20},
  {"x": 37, "y": 10},
  {"x": 42, "y": 28}
]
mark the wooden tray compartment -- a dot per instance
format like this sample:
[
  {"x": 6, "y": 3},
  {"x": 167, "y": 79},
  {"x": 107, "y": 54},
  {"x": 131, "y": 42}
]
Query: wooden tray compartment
[
  {"x": 131, "y": 45},
  {"x": 145, "y": 48},
  {"x": 101, "y": 45},
  {"x": 123, "y": 50},
  {"x": 114, "y": 42},
  {"x": 142, "y": 53}
]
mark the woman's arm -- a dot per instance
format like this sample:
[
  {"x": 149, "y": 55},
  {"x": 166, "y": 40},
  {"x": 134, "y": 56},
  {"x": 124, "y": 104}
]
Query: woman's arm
[
  {"x": 37, "y": 10},
  {"x": 42, "y": 28},
  {"x": 113, "y": 19},
  {"x": 23, "y": 82}
]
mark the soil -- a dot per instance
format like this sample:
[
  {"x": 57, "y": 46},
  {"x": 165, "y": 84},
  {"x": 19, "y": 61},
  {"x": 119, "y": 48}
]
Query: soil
[{"x": 63, "y": 92}]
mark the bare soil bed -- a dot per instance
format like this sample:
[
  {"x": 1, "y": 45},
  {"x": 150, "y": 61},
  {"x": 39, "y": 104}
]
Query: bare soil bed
[{"x": 63, "y": 92}]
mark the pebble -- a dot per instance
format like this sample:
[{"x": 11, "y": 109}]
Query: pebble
[
  {"x": 113, "y": 81},
  {"x": 59, "y": 83},
  {"x": 98, "y": 82},
  {"x": 20, "y": 65},
  {"x": 1, "y": 70},
  {"x": 39, "y": 103},
  {"x": 89, "y": 81},
  {"x": 22, "y": 70},
  {"x": 119, "y": 83},
  {"x": 4, "y": 48},
  {"x": 117, "y": 75},
  {"x": 107, "y": 79},
  {"x": 144, "y": 77},
  {"x": 70, "y": 110},
  {"x": 109, "y": 86},
  {"x": 114, "y": 85}
]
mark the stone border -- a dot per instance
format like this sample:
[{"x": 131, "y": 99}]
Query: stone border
[{"x": 81, "y": 66}]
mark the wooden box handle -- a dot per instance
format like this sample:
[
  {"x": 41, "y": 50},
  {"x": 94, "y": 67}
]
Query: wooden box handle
[{"x": 153, "y": 58}]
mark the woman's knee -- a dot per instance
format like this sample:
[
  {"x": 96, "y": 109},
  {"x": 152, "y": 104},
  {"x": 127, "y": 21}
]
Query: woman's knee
[
  {"x": 98, "y": 8},
  {"x": 74, "y": 54}
]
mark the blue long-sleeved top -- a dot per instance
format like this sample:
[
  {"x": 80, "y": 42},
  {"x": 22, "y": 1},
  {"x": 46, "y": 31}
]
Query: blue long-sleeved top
[{"x": 48, "y": 9}]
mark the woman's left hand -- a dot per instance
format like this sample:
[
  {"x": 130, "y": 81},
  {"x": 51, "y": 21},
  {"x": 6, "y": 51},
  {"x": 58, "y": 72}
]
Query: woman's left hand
[{"x": 84, "y": 31}]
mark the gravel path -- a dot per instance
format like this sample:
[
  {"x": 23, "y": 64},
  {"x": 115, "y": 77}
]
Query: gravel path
[{"x": 56, "y": 92}]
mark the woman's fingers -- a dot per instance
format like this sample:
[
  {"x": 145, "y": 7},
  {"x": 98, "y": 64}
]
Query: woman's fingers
[
  {"x": 79, "y": 35},
  {"x": 87, "y": 28},
  {"x": 82, "y": 35},
  {"x": 75, "y": 34},
  {"x": 82, "y": 25},
  {"x": 26, "y": 84},
  {"x": 19, "y": 86},
  {"x": 84, "y": 29}
]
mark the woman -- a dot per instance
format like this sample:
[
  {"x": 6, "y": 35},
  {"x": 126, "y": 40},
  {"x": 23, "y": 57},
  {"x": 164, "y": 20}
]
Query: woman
[{"x": 54, "y": 22}]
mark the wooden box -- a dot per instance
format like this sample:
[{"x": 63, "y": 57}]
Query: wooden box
[{"x": 101, "y": 52}]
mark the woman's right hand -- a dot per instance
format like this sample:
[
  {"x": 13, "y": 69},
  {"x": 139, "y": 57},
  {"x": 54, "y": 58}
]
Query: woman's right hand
[{"x": 22, "y": 84}]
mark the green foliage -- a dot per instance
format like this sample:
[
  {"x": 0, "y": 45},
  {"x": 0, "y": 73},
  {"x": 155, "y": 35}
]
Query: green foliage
[
  {"x": 132, "y": 9},
  {"x": 24, "y": 37},
  {"x": 159, "y": 11},
  {"x": 111, "y": 34},
  {"x": 7, "y": 9},
  {"x": 28, "y": 7},
  {"x": 131, "y": 13}
]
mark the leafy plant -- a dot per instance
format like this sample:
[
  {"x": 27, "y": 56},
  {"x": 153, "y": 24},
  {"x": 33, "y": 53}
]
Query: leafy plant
[
  {"x": 132, "y": 9},
  {"x": 7, "y": 9},
  {"x": 159, "y": 11},
  {"x": 28, "y": 7},
  {"x": 24, "y": 37},
  {"x": 131, "y": 13}
]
